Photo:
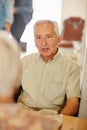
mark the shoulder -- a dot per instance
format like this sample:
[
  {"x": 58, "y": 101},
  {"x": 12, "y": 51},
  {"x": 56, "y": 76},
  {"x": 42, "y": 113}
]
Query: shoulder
[
  {"x": 29, "y": 57},
  {"x": 68, "y": 62}
]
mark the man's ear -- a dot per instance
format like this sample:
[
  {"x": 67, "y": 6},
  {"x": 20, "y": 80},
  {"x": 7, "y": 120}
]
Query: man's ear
[{"x": 59, "y": 40}]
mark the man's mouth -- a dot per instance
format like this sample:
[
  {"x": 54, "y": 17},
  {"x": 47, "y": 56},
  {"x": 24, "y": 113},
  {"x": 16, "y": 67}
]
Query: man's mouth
[{"x": 45, "y": 49}]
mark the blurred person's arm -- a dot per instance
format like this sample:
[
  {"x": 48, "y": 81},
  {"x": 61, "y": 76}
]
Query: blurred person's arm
[
  {"x": 8, "y": 26},
  {"x": 9, "y": 14}
]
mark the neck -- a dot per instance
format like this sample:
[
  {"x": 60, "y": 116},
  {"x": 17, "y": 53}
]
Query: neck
[{"x": 47, "y": 58}]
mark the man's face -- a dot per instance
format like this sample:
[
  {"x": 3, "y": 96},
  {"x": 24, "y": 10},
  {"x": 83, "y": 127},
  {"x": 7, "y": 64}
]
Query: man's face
[{"x": 46, "y": 40}]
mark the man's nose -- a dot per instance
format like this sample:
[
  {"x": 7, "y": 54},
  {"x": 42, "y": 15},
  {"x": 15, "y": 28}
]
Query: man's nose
[{"x": 44, "y": 42}]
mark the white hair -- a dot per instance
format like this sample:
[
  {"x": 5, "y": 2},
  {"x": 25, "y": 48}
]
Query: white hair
[
  {"x": 9, "y": 63},
  {"x": 56, "y": 27}
]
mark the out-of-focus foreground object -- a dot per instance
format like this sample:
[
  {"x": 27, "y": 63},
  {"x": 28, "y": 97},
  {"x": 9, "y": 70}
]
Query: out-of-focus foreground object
[
  {"x": 9, "y": 66},
  {"x": 17, "y": 118}
]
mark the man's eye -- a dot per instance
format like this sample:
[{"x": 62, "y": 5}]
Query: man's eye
[
  {"x": 49, "y": 36},
  {"x": 38, "y": 37}
]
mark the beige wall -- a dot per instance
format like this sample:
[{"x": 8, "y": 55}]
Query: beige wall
[{"x": 74, "y": 8}]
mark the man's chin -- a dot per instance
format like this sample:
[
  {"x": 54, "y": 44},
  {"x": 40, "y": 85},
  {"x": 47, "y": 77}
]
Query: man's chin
[{"x": 45, "y": 55}]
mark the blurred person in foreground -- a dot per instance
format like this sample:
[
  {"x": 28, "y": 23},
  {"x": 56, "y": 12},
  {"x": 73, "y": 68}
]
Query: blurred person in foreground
[
  {"x": 50, "y": 81},
  {"x": 12, "y": 115},
  {"x": 9, "y": 67},
  {"x": 6, "y": 14}
]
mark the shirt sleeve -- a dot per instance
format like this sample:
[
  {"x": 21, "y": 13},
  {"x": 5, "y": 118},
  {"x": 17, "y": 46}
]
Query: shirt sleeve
[{"x": 73, "y": 85}]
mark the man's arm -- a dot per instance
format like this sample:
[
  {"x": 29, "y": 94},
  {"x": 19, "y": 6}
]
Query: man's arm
[
  {"x": 71, "y": 107},
  {"x": 72, "y": 91}
]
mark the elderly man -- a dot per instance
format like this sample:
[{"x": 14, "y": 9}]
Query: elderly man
[{"x": 49, "y": 79}]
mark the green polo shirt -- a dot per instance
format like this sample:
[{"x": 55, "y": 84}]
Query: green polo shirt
[{"x": 45, "y": 85}]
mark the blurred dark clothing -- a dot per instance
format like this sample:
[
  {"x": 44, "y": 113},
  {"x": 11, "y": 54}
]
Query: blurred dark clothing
[{"x": 22, "y": 17}]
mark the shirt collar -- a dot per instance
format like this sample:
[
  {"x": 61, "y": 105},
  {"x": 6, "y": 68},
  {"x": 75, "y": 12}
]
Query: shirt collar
[{"x": 56, "y": 55}]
